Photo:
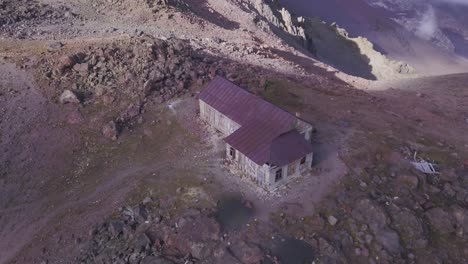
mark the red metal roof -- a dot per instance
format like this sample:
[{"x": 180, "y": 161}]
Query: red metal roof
[
  {"x": 289, "y": 147},
  {"x": 261, "y": 123}
]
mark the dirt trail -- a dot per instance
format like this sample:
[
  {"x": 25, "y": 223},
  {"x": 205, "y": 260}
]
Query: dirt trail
[{"x": 31, "y": 150}]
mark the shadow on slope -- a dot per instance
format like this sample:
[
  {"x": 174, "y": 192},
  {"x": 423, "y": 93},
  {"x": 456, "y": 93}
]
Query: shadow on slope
[
  {"x": 337, "y": 51},
  {"x": 317, "y": 39},
  {"x": 308, "y": 65},
  {"x": 201, "y": 9}
]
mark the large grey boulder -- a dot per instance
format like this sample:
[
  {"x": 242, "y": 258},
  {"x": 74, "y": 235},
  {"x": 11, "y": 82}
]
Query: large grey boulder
[
  {"x": 110, "y": 130},
  {"x": 247, "y": 253},
  {"x": 389, "y": 239},
  {"x": 410, "y": 229},
  {"x": 370, "y": 213},
  {"x": 67, "y": 61},
  {"x": 440, "y": 221},
  {"x": 69, "y": 97}
]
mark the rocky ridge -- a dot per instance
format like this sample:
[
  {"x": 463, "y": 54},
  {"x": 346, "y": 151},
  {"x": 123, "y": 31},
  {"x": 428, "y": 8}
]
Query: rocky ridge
[
  {"x": 382, "y": 67},
  {"x": 304, "y": 28}
]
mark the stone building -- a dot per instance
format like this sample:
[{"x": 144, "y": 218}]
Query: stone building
[{"x": 263, "y": 141}]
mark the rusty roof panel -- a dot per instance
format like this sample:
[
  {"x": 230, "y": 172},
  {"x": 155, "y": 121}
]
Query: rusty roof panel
[
  {"x": 240, "y": 105},
  {"x": 289, "y": 147}
]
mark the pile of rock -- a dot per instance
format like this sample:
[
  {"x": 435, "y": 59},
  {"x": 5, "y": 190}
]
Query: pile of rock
[
  {"x": 126, "y": 75},
  {"x": 124, "y": 240},
  {"x": 140, "y": 235},
  {"x": 133, "y": 70}
]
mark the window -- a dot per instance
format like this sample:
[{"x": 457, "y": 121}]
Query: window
[
  {"x": 279, "y": 174},
  {"x": 303, "y": 160},
  {"x": 232, "y": 153}
]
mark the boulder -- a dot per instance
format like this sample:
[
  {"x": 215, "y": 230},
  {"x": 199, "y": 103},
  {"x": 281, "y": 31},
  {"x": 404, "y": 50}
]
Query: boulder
[
  {"x": 100, "y": 90},
  {"x": 82, "y": 68},
  {"x": 223, "y": 255},
  {"x": 147, "y": 200},
  {"x": 200, "y": 228},
  {"x": 196, "y": 235},
  {"x": 116, "y": 228},
  {"x": 389, "y": 239},
  {"x": 54, "y": 46},
  {"x": 141, "y": 214},
  {"x": 143, "y": 242},
  {"x": 332, "y": 220},
  {"x": 156, "y": 76},
  {"x": 108, "y": 99},
  {"x": 69, "y": 97},
  {"x": 247, "y": 253},
  {"x": 440, "y": 221},
  {"x": 461, "y": 217},
  {"x": 410, "y": 229},
  {"x": 75, "y": 117},
  {"x": 132, "y": 111},
  {"x": 148, "y": 87},
  {"x": 325, "y": 247},
  {"x": 110, "y": 130},
  {"x": 67, "y": 61},
  {"x": 369, "y": 212}
]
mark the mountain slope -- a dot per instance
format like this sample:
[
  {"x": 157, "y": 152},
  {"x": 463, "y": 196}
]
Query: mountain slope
[
  {"x": 393, "y": 27},
  {"x": 104, "y": 159}
]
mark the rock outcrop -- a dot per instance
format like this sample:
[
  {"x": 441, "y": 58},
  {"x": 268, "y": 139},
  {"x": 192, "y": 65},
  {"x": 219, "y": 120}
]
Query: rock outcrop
[
  {"x": 361, "y": 59},
  {"x": 140, "y": 68},
  {"x": 280, "y": 17},
  {"x": 69, "y": 97},
  {"x": 382, "y": 67},
  {"x": 141, "y": 235}
]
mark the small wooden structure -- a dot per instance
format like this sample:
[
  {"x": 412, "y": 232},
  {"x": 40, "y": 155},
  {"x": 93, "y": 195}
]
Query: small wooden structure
[{"x": 263, "y": 141}]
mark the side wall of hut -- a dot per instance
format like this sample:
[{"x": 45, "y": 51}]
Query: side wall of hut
[
  {"x": 256, "y": 173},
  {"x": 266, "y": 176},
  {"x": 217, "y": 120},
  {"x": 293, "y": 169}
]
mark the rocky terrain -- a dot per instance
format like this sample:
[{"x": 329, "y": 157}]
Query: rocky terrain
[
  {"x": 137, "y": 70},
  {"x": 104, "y": 159},
  {"x": 17, "y": 17}
]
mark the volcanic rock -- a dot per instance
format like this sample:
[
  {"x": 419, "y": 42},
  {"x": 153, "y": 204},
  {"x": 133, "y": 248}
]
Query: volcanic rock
[
  {"x": 69, "y": 97},
  {"x": 75, "y": 117},
  {"x": 110, "y": 130},
  {"x": 247, "y": 253},
  {"x": 410, "y": 228},
  {"x": 440, "y": 221}
]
